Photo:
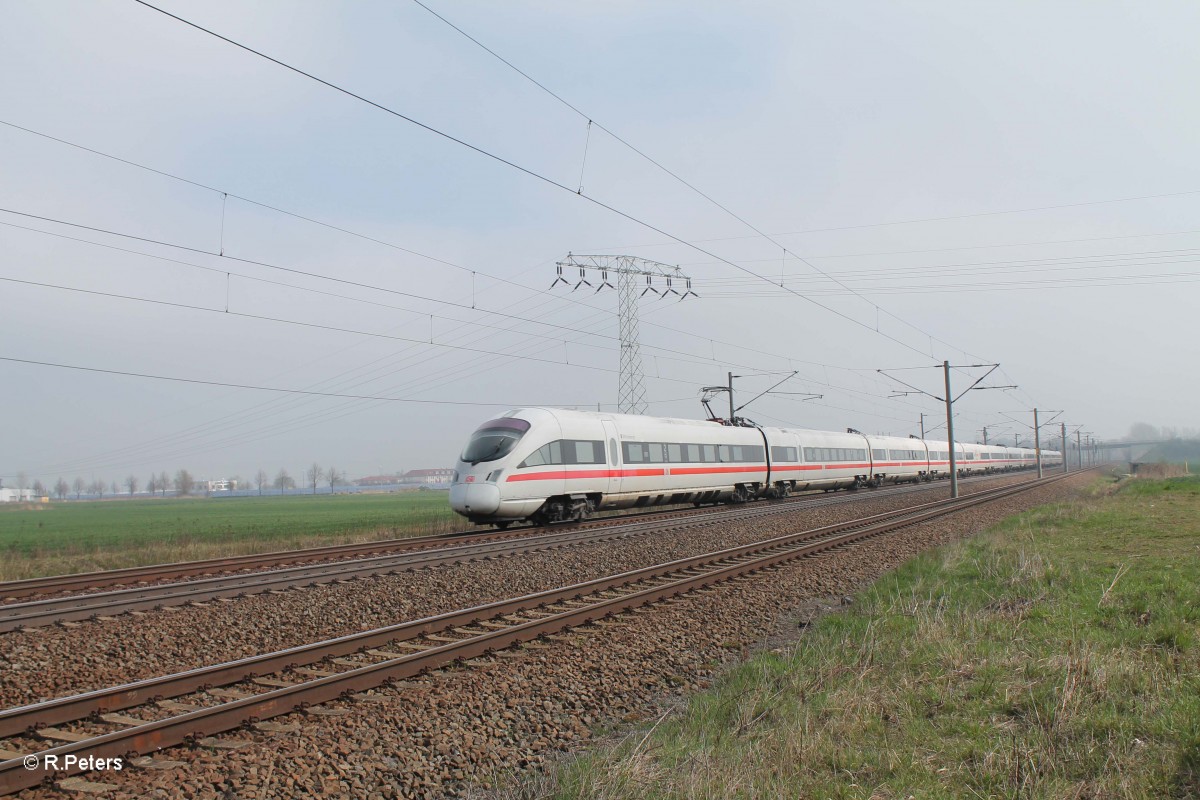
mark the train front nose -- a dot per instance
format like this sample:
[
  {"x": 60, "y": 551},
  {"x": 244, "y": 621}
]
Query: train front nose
[{"x": 475, "y": 499}]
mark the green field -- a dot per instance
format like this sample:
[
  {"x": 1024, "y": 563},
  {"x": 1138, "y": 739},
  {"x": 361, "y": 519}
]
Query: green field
[
  {"x": 80, "y": 536},
  {"x": 1057, "y": 656}
]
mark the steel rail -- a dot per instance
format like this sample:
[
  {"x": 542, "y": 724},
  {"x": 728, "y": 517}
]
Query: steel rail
[
  {"x": 82, "y": 581},
  {"x": 704, "y": 570},
  {"x": 36, "y": 613}
]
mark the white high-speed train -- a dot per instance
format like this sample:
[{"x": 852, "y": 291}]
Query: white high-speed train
[{"x": 551, "y": 465}]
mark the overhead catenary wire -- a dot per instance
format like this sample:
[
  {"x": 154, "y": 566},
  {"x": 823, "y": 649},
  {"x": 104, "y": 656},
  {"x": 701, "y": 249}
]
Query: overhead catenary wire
[
  {"x": 759, "y": 233},
  {"x": 540, "y": 177}
]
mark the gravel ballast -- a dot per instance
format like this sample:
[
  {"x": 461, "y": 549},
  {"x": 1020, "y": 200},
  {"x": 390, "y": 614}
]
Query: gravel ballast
[{"x": 453, "y": 729}]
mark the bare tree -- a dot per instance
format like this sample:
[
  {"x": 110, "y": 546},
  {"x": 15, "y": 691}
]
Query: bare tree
[
  {"x": 164, "y": 482},
  {"x": 131, "y": 483},
  {"x": 78, "y": 485},
  {"x": 260, "y": 480},
  {"x": 39, "y": 489},
  {"x": 112, "y": 487},
  {"x": 284, "y": 481},
  {"x": 314, "y": 474},
  {"x": 334, "y": 477},
  {"x": 1143, "y": 431},
  {"x": 61, "y": 489},
  {"x": 184, "y": 483},
  {"x": 97, "y": 488},
  {"x": 152, "y": 484}
]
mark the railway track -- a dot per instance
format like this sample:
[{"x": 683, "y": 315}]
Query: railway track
[
  {"x": 78, "y": 583},
  {"x": 144, "y": 598},
  {"x": 148, "y": 715}
]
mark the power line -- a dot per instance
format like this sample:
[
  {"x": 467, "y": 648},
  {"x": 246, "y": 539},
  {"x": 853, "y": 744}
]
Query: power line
[
  {"x": 365, "y": 237},
  {"x": 919, "y": 220},
  {"x": 226, "y": 422},
  {"x": 985, "y": 246},
  {"x": 759, "y": 233},
  {"x": 285, "y": 321},
  {"x": 356, "y": 284},
  {"x": 1022, "y": 285},
  {"x": 259, "y": 388},
  {"x": 292, "y": 270},
  {"x": 333, "y": 328},
  {"x": 1097, "y": 260},
  {"x": 549, "y": 181},
  {"x": 310, "y": 290}
]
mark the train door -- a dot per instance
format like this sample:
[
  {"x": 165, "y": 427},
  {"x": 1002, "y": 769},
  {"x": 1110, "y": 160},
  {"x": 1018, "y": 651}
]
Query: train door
[{"x": 612, "y": 443}]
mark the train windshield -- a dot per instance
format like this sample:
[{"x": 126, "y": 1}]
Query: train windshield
[{"x": 494, "y": 440}]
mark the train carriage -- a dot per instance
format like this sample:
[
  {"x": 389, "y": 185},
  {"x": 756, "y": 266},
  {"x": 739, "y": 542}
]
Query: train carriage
[{"x": 552, "y": 465}]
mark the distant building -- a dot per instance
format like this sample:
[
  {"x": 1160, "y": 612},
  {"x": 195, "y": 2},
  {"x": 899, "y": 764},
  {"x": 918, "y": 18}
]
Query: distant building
[
  {"x": 378, "y": 480},
  {"x": 217, "y": 486},
  {"x": 17, "y": 496},
  {"x": 427, "y": 476}
]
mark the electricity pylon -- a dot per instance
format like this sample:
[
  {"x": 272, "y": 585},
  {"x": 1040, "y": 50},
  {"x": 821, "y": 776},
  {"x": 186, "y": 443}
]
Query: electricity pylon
[{"x": 631, "y": 396}]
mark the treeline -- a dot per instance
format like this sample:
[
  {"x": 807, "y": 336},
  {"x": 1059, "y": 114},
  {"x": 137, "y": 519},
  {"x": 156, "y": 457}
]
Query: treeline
[{"x": 183, "y": 484}]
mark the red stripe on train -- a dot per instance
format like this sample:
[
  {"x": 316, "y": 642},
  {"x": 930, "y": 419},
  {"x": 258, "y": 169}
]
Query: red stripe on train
[
  {"x": 716, "y": 470},
  {"x": 586, "y": 473}
]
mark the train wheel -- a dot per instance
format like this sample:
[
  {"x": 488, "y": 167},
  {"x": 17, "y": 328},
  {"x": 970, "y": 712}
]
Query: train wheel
[{"x": 502, "y": 525}]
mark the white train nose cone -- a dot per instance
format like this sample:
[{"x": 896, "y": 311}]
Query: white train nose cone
[{"x": 475, "y": 499}]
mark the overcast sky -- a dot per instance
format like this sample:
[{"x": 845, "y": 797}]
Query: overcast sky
[{"x": 1015, "y": 183}]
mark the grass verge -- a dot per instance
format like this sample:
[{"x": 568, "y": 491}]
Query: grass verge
[
  {"x": 60, "y": 538},
  {"x": 1055, "y": 656}
]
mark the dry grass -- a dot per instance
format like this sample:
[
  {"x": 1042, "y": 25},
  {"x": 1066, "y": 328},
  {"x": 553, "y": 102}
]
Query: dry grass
[{"x": 1162, "y": 470}]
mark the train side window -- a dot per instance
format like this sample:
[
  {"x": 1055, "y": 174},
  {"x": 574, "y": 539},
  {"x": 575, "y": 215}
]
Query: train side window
[
  {"x": 709, "y": 452},
  {"x": 674, "y": 453},
  {"x": 585, "y": 452},
  {"x": 612, "y": 452},
  {"x": 693, "y": 453},
  {"x": 537, "y": 458},
  {"x": 633, "y": 452},
  {"x": 546, "y": 454}
]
